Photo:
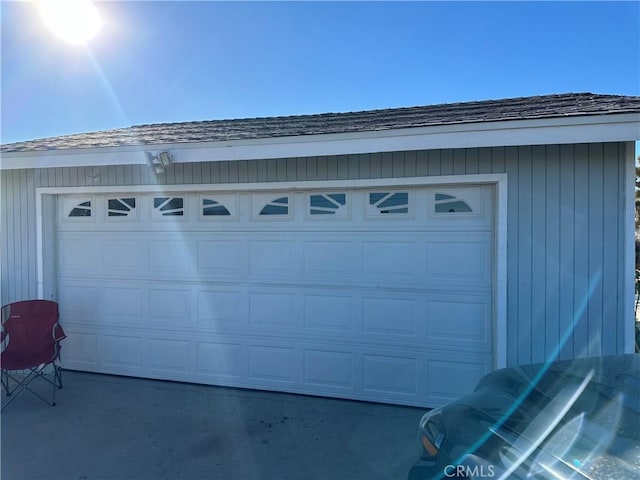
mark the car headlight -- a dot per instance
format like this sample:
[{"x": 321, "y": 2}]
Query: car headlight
[{"x": 432, "y": 433}]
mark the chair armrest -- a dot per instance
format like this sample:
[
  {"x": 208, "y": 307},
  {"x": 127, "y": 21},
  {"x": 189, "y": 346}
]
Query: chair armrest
[{"x": 58, "y": 333}]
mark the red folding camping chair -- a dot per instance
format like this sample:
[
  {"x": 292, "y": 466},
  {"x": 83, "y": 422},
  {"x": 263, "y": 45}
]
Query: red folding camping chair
[{"x": 30, "y": 343}]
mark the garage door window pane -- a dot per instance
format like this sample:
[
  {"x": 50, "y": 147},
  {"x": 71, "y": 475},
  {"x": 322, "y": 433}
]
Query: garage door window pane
[
  {"x": 121, "y": 207},
  {"x": 168, "y": 206},
  {"x": 212, "y": 208},
  {"x": 446, "y": 203},
  {"x": 81, "y": 210},
  {"x": 389, "y": 202},
  {"x": 278, "y": 206},
  {"x": 327, "y": 204}
]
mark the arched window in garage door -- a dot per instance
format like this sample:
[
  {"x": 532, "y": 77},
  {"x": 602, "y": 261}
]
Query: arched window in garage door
[
  {"x": 121, "y": 207},
  {"x": 168, "y": 207},
  {"x": 388, "y": 203},
  {"x": 77, "y": 208},
  {"x": 213, "y": 208},
  {"x": 446, "y": 203},
  {"x": 328, "y": 204}
]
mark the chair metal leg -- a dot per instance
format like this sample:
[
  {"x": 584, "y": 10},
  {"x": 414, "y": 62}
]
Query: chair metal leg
[
  {"x": 22, "y": 385},
  {"x": 58, "y": 375},
  {"x": 57, "y": 382},
  {"x": 4, "y": 378}
]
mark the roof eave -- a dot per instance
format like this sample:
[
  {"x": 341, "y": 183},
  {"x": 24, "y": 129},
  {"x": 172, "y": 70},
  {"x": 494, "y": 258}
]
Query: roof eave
[{"x": 564, "y": 130}]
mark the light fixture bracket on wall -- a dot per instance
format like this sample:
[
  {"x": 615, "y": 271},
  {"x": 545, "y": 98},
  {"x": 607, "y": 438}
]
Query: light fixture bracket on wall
[{"x": 159, "y": 161}]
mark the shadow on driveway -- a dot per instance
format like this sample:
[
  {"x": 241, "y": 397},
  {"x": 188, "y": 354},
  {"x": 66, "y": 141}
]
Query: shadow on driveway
[{"x": 109, "y": 427}]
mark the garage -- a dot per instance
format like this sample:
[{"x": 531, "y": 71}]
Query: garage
[
  {"x": 390, "y": 255},
  {"x": 381, "y": 293}
]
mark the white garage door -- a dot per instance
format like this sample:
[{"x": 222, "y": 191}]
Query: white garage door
[{"x": 381, "y": 294}]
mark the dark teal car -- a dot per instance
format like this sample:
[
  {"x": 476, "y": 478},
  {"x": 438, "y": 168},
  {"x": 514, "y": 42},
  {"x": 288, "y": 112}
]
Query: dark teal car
[{"x": 576, "y": 419}]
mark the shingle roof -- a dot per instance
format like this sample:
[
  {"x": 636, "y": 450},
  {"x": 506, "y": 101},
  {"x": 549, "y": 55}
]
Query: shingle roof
[{"x": 523, "y": 108}]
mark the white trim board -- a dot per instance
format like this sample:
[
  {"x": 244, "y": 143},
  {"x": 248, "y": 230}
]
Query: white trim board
[
  {"x": 500, "y": 219},
  {"x": 585, "y": 129}
]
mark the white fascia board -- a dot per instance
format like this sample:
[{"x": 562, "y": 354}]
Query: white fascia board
[
  {"x": 586, "y": 129},
  {"x": 85, "y": 157}
]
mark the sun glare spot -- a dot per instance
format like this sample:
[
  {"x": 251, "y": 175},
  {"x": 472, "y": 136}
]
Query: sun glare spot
[{"x": 74, "y": 21}]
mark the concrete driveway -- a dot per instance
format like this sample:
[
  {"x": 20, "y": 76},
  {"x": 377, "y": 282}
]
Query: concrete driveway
[{"x": 108, "y": 427}]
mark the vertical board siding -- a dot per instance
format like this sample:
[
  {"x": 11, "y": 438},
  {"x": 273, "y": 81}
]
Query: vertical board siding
[
  {"x": 552, "y": 277},
  {"x": 28, "y": 222},
  {"x": 6, "y": 233},
  {"x": 611, "y": 272},
  {"x": 513, "y": 208},
  {"x": 595, "y": 252},
  {"x": 17, "y": 223},
  {"x": 565, "y": 231},
  {"x": 434, "y": 163},
  {"x": 566, "y": 256},
  {"x": 539, "y": 254},
  {"x": 525, "y": 254},
  {"x": 581, "y": 250}
]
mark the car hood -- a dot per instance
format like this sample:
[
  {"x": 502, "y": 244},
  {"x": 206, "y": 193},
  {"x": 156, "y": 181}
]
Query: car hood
[
  {"x": 584, "y": 413},
  {"x": 529, "y": 386}
]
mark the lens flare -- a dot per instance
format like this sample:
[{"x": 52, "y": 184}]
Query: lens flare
[{"x": 74, "y": 21}]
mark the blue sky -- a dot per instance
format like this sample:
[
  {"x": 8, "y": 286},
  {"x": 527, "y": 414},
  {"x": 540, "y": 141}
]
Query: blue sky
[{"x": 156, "y": 62}]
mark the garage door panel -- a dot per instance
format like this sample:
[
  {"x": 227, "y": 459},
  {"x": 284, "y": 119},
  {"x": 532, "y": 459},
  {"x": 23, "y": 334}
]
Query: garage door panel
[
  {"x": 169, "y": 306},
  {"x": 329, "y": 312},
  {"x": 122, "y": 257},
  {"x": 326, "y": 368},
  {"x": 271, "y": 364},
  {"x": 221, "y": 360},
  {"x": 119, "y": 351},
  {"x": 79, "y": 255},
  {"x": 171, "y": 257},
  {"x": 122, "y": 304},
  {"x": 465, "y": 261},
  {"x": 80, "y": 303},
  {"x": 271, "y": 309},
  {"x": 218, "y": 308},
  {"x": 459, "y": 321},
  {"x": 390, "y": 316},
  {"x": 392, "y": 259},
  {"x": 328, "y": 258},
  {"x": 447, "y": 378},
  {"x": 271, "y": 257},
  {"x": 166, "y": 355},
  {"x": 80, "y": 349},
  {"x": 390, "y": 374},
  {"x": 221, "y": 258}
]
